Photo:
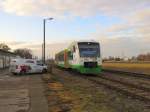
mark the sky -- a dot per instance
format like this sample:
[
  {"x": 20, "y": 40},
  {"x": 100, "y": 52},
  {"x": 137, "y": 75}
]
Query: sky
[{"x": 121, "y": 26}]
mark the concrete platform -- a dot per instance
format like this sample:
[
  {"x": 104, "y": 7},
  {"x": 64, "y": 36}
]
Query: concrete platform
[{"x": 22, "y": 93}]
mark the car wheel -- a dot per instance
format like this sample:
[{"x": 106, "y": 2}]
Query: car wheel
[
  {"x": 22, "y": 73},
  {"x": 14, "y": 73},
  {"x": 44, "y": 71}
]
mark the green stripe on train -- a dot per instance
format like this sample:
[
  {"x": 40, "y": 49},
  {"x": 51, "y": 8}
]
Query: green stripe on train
[
  {"x": 61, "y": 65},
  {"x": 84, "y": 70}
]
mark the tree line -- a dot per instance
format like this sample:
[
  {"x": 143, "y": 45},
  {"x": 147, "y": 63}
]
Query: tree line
[
  {"x": 140, "y": 57},
  {"x": 144, "y": 57}
]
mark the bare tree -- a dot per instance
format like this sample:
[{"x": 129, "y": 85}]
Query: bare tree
[
  {"x": 144, "y": 57},
  {"x": 4, "y": 47},
  {"x": 24, "y": 53}
]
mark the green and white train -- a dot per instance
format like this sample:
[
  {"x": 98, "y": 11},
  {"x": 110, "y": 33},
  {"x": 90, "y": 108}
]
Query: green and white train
[{"x": 83, "y": 56}]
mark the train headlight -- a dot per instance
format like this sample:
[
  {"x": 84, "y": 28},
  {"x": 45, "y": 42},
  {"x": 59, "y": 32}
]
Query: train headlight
[
  {"x": 81, "y": 61},
  {"x": 99, "y": 61}
]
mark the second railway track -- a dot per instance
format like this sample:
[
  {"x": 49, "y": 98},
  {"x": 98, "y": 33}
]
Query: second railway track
[
  {"x": 133, "y": 90},
  {"x": 127, "y": 73},
  {"x": 142, "y": 84},
  {"x": 126, "y": 88}
]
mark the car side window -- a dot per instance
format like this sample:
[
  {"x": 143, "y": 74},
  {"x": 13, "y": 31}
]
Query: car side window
[
  {"x": 30, "y": 61},
  {"x": 39, "y": 63}
]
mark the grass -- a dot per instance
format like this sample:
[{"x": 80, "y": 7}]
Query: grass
[
  {"x": 68, "y": 93},
  {"x": 133, "y": 67}
]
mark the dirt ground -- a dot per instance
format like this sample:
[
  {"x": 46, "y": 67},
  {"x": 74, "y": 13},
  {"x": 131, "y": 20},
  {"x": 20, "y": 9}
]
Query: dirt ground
[
  {"x": 133, "y": 67},
  {"x": 66, "y": 92}
]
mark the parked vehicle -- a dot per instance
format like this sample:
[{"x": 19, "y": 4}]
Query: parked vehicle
[
  {"x": 22, "y": 66},
  {"x": 83, "y": 56}
]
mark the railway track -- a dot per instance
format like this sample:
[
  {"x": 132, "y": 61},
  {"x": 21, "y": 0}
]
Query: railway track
[
  {"x": 133, "y": 74},
  {"x": 133, "y": 90},
  {"x": 125, "y": 82},
  {"x": 128, "y": 89}
]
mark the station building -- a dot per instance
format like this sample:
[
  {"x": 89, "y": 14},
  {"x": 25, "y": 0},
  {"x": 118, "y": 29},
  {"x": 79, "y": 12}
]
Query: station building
[{"x": 5, "y": 57}]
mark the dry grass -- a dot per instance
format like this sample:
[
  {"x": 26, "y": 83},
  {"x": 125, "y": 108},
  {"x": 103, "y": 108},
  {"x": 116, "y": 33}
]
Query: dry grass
[
  {"x": 69, "y": 93},
  {"x": 59, "y": 99},
  {"x": 133, "y": 67}
]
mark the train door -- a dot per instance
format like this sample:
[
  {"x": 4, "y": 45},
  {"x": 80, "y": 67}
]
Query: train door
[
  {"x": 75, "y": 55},
  {"x": 66, "y": 59}
]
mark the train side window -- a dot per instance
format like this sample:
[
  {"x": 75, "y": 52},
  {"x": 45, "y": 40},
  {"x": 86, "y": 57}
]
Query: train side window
[
  {"x": 70, "y": 54},
  {"x": 61, "y": 57},
  {"x": 74, "y": 49}
]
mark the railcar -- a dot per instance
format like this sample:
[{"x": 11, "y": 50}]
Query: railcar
[{"x": 83, "y": 56}]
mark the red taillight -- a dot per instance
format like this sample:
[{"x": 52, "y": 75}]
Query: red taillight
[{"x": 23, "y": 68}]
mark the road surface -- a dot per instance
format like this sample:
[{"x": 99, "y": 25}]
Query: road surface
[{"x": 21, "y": 93}]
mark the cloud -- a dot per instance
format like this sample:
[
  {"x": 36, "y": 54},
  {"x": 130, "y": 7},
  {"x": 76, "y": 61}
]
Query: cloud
[
  {"x": 15, "y": 43},
  {"x": 19, "y": 7},
  {"x": 135, "y": 13},
  {"x": 36, "y": 48},
  {"x": 12, "y": 42},
  {"x": 61, "y": 8},
  {"x": 124, "y": 47},
  {"x": 51, "y": 49},
  {"x": 129, "y": 38},
  {"x": 135, "y": 27},
  {"x": 132, "y": 36}
]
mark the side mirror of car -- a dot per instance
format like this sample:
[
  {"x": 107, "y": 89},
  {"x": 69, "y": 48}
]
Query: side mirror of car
[{"x": 40, "y": 64}]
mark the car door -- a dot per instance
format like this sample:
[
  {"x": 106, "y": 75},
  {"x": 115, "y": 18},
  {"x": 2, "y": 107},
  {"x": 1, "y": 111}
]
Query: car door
[
  {"x": 39, "y": 67},
  {"x": 32, "y": 65},
  {"x": 35, "y": 68}
]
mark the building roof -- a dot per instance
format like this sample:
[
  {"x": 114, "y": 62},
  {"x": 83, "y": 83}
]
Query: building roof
[{"x": 7, "y": 52}]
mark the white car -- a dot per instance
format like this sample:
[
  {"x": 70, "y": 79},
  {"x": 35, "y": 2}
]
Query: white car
[{"x": 19, "y": 66}]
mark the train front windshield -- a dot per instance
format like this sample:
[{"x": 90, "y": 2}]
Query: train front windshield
[{"x": 89, "y": 49}]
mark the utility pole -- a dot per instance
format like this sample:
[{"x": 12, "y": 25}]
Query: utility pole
[
  {"x": 43, "y": 48},
  {"x": 44, "y": 41}
]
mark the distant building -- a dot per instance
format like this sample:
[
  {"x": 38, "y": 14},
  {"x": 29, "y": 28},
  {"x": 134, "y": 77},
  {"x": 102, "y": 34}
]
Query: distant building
[
  {"x": 5, "y": 57},
  {"x": 125, "y": 59}
]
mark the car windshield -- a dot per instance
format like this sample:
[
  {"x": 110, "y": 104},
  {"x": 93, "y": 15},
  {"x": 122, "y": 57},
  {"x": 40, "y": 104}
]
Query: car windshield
[
  {"x": 39, "y": 63},
  {"x": 89, "y": 49}
]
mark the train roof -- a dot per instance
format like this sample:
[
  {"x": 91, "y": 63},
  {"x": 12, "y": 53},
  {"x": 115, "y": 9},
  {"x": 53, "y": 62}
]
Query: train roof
[
  {"x": 85, "y": 41},
  {"x": 75, "y": 42},
  {"x": 62, "y": 51}
]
